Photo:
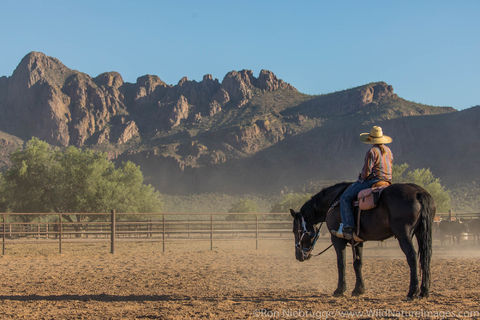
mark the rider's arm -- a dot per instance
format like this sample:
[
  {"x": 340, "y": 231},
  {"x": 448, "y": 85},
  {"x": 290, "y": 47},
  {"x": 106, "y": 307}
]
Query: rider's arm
[{"x": 370, "y": 159}]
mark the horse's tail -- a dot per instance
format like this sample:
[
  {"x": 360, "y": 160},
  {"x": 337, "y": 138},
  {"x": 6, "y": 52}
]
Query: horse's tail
[{"x": 424, "y": 236}]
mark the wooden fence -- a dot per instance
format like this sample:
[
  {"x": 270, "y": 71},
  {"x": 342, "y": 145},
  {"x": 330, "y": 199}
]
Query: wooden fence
[{"x": 162, "y": 227}]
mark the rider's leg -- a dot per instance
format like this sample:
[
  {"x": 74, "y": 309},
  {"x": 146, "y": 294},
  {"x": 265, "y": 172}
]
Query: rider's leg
[{"x": 346, "y": 207}]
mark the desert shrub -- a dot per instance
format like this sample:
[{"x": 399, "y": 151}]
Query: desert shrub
[
  {"x": 290, "y": 201},
  {"x": 424, "y": 178}
]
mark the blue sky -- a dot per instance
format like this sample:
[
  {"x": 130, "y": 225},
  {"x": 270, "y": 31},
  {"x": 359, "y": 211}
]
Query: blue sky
[{"x": 428, "y": 50}]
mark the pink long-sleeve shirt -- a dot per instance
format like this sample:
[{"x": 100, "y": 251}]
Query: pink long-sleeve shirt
[{"x": 377, "y": 165}]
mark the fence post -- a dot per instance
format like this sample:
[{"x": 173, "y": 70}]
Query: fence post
[
  {"x": 163, "y": 233},
  {"x": 211, "y": 232},
  {"x": 3, "y": 234},
  {"x": 113, "y": 231},
  {"x": 256, "y": 232},
  {"x": 150, "y": 227},
  {"x": 60, "y": 227}
]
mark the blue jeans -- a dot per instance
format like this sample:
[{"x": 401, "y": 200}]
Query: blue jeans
[{"x": 346, "y": 208}]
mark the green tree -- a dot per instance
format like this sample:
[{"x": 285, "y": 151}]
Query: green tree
[
  {"x": 31, "y": 181},
  {"x": 399, "y": 173},
  {"x": 47, "y": 179},
  {"x": 291, "y": 201},
  {"x": 424, "y": 178},
  {"x": 244, "y": 205}
]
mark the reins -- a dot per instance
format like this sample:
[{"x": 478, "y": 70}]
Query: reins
[
  {"x": 331, "y": 245},
  {"x": 324, "y": 250}
]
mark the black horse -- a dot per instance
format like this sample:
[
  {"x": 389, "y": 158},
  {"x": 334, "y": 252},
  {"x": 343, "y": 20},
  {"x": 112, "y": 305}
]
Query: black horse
[
  {"x": 473, "y": 227},
  {"x": 452, "y": 230},
  {"x": 403, "y": 210}
]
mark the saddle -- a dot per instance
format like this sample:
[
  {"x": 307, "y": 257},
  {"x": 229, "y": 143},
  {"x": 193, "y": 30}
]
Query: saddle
[{"x": 368, "y": 198}]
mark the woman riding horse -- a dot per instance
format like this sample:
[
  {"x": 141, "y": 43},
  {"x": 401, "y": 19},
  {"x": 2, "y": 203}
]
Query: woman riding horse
[
  {"x": 403, "y": 210},
  {"x": 377, "y": 167}
]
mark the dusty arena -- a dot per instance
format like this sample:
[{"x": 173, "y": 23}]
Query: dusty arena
[{"x": 232, "y": 281}]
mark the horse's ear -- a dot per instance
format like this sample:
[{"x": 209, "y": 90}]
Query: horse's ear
[{"x": 293, "y": 213}]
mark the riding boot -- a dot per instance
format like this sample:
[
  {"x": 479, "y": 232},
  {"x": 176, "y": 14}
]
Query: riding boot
[
  {"x": 348, "y": 233},
  {"x": 343, "y": 232}
]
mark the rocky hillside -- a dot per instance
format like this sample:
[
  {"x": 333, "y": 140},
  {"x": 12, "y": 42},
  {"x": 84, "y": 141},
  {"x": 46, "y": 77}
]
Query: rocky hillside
[
  {"x": 241, "y": 134},
  {"x": 8, "y": 144}
]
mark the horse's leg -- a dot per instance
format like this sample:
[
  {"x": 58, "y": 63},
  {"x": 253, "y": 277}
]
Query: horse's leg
[
  {"x": 409, "y": 251},
  {"x": 357, "y": 266},
  {"x": 339, "y": 245}
]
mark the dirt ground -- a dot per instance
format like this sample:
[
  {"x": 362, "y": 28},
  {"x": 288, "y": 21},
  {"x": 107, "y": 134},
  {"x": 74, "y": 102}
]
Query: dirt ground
[{"x": 233, "y": 281}]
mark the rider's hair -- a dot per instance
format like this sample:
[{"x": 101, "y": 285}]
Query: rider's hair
[{"x": 382, "y": 148}]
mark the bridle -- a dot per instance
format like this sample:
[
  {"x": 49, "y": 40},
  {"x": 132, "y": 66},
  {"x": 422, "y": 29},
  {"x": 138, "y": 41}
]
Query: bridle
[{"x": 313, "y": 235}]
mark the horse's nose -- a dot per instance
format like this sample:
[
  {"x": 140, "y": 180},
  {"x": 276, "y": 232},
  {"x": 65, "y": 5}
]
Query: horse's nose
[{"x": 299, "y": 255}]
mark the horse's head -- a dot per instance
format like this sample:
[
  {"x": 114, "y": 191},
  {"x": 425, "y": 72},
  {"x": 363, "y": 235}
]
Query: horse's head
[
  {"x": 306, "y": 235},
  {"x": 305, "y": 223}
]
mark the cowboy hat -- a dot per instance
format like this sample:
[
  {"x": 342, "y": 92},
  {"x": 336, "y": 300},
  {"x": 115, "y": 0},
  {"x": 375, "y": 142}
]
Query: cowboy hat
[{"x": 375, "y": 136}]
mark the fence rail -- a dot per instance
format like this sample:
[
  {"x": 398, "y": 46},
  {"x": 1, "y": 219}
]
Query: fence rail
[{"x": 162, "y": 227}]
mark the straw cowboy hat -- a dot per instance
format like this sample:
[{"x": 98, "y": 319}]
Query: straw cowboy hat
[{"x": 375, "y": 136}]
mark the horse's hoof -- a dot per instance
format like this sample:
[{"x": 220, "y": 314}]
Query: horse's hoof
[
  {"x": 411, "y": 297},
  {"x": 424, "y": 295},
  {"x": 338, "y": 293},
  {"x": 413, "y": 294},
  {"x": 358, "y": 292}
]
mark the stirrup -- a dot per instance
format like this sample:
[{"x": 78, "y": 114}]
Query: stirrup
[
  {"x": 337, "y": 234},
  {"x": 357, "y": 238}
]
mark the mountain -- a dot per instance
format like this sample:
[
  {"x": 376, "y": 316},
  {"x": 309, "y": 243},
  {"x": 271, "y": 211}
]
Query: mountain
[
  {"x": 243, "y": 134},
  {"x": 8, "y": 144}
]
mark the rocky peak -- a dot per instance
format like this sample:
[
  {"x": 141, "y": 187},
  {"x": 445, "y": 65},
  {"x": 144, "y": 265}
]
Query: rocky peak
[
  {"x": 182, "y": 81},
  {"x": 145, "y": 87},
  {"x": 240, "y": 84},
  {"x": 268, "y": 81},
  {"x": 149, "y": 83},
  {"x": 375, "y": 91},
  {"x": 37, "y": 66},
  {"x": 109, "y": 79},
  {"x": 242, "y": 77},
  {"x": 382, "y": 89}
]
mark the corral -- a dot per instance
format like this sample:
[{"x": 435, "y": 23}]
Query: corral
[{"x": 210, "y": 277}]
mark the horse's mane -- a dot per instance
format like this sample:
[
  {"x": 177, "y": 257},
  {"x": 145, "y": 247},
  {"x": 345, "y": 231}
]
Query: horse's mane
[
  {"x": 320, "y": 202},
  {"x": 334, "y": 191}
]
